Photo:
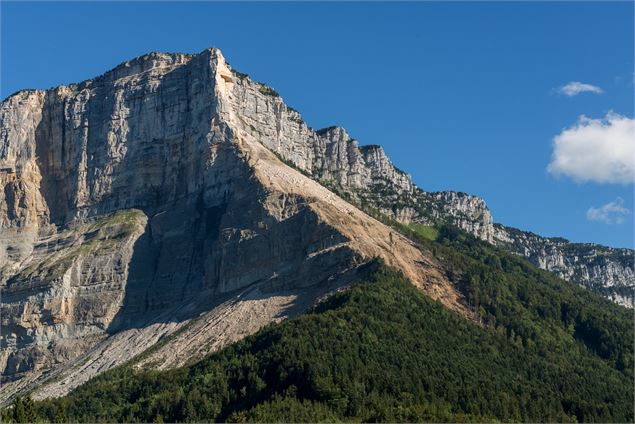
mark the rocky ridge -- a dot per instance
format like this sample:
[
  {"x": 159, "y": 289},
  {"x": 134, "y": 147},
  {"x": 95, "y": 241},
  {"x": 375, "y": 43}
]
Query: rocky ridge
[
  {"x": 138, "y": 214},
  {"x": 605, "y": 270},
  {"x": 172, "y": 205},
  {"x": 366, "y": 175}
]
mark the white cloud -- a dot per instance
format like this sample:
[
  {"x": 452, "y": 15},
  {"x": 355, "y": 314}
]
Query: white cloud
[
  {"x": 612, "y": 213},
  {"x": 600, "y": 150},
  {"x": 574, "y": 88}
]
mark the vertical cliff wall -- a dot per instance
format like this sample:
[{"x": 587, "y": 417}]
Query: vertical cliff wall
[
  {"x": 140, "y": 202},
  {"x": 367, "y": 176},
  {"x": 175, "y": 199}
]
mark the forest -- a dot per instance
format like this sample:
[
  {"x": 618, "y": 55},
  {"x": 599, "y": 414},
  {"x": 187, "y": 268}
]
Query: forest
[{"x": 543, "y": 350}]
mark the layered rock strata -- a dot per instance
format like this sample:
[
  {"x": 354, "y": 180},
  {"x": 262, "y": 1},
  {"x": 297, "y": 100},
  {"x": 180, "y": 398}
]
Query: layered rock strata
[
  {"x": 173, "y": 205},
  {"x": 139, "y": 211}
]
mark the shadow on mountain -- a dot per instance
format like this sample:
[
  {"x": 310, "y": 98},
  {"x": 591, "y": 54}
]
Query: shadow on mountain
[
  {"x": 184, "y": 265},
  {"x": 214, "y": 232}
]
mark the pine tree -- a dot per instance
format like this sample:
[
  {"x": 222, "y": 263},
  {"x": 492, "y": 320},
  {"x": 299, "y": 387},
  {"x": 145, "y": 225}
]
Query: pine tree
[
  {"x": 24, "y": 410},
  {"x": 60, "y": 414}
]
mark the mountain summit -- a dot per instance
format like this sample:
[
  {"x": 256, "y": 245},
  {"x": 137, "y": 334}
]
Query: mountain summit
[{"x": 173, "y": 205}]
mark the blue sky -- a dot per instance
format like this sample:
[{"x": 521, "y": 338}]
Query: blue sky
[{"x": 463, "y": 96}]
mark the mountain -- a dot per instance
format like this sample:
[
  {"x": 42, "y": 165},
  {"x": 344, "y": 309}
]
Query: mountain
[
  {"x": 384, "y": 352},
  {"x": 173, "y": 206},
  {"x": 367, "y": 177},
  {"x": 134, "y": 202}
]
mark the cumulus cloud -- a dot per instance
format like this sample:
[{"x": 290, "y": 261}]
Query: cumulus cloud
[
  {"x": 612, "y": 213},
  {"x": 599, "y": 150},
  {"x": 575, "y": 87}
]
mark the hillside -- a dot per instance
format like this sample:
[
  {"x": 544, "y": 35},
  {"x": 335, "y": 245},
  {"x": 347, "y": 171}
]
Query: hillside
[
  {"x": 180, "y": 224},
  {"x": 382, "y": 351},
  {"x": 173, "y": 206}
]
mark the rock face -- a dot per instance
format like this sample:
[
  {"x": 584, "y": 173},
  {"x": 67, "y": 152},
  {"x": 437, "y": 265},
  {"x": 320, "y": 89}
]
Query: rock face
[
  {"x": 175, "y": 204},
  {"x": 365, "y": 175},
  {"x": 143, "y": 205},
  {"x": 605, "y": 270},
  {"x": 67, "y": 292}
]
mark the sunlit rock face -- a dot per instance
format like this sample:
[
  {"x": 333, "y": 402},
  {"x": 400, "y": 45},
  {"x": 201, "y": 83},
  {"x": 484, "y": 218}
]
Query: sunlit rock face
[
  {"x": 156, "y": 202},
  {"x": 174, "y": 199},
  {"x": 367, "y": 176},
  {"x": 606, "y": 270}
]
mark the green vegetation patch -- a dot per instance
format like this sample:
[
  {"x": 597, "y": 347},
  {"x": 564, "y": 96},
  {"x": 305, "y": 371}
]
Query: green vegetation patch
[
  {"x": 99, "y": 235},
  {"x": 427, "y": 232},
  {"x": 126, "y": 217},
  {"x": 383, "y": 351},
  {"x": 267, "y": 91}
]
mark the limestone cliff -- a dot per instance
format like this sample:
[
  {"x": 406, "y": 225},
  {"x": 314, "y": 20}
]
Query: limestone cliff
[
  {"x": 605, "y": 270},
  {"x": 366, "y": 175},
  {"x": 143, "y": 207},
  {"x": 173, "y": 205}
]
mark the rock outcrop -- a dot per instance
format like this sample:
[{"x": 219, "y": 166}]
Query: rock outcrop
[
  {"x": 141, "y": 207},
  {"x": 173, "y": 205},
  {"x": 365, "y": 175},
  {"x": 605, "y": 270}
]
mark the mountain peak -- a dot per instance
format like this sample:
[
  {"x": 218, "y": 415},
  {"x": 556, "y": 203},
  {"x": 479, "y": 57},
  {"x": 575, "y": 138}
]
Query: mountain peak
[
  {"x": 195, "y": 184},
  {"x": 172, "y": 188}
]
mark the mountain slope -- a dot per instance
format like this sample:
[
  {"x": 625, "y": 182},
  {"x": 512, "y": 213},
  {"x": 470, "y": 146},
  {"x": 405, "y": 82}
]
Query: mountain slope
[
  {"x": 382, "y": 351},
  {"x": 134, "y": 207},
  {"x": 366, "y": 175},
  {"x": 172, "y": 206}
]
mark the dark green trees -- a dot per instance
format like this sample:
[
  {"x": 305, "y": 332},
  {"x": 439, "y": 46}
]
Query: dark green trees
[
  {"x": 22, "y": 411},
  {"x": 542, "y": 350}
]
